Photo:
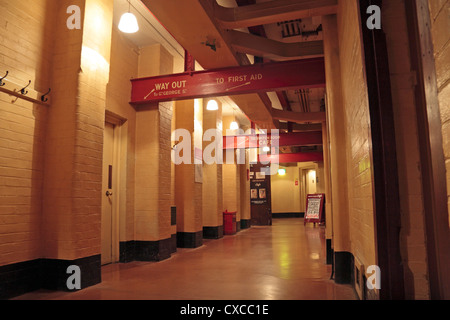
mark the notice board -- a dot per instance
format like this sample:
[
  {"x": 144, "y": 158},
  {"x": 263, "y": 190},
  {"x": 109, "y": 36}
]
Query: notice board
[{"x": 315, "y": 209}]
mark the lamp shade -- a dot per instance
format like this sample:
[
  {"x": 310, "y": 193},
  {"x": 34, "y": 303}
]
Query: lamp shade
[
  {"x": 212, "y": 105},
  {"x": 234, "y": 125},
  {"x": 128, "y": 23}
]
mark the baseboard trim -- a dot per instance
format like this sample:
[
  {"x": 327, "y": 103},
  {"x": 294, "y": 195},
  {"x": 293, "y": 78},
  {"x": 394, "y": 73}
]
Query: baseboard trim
[
  {"x": 51, "y": 274},
  {"x": 146, "y": 250},
  {"x": 189, "y": 239},
  {"x": 285, "y": 215},
  {"x": 213, "y": 232}
]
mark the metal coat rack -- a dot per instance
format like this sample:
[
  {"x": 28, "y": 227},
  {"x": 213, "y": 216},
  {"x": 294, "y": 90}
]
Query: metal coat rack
[{"x": 23, "y": 92}]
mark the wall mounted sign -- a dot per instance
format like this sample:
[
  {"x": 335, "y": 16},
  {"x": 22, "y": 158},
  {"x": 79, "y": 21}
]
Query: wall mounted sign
[
  {"x": 258, "y": 192},
  {"x": 262, "y": 77},
  {"x": 283, "y": 140},
  {"x": 291, "y": 157}
]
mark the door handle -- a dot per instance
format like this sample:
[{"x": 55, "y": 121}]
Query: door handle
[{"x": 108, "y": 193}]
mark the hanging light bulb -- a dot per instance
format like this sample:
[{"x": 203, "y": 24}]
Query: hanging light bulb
[
  {"x": 128, "y": 22},
  {"x": 212, "y": 105},
  {"x": 234, "y": 126}
]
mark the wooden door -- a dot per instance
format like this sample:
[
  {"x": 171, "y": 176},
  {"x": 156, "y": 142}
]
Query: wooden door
[{"x": 260, "y": 196}]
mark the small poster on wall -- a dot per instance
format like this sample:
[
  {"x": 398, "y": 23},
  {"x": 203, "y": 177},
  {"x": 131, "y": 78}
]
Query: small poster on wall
[
  {"x": 262, "y": 193},
  {"x": 258, "y": 192}
]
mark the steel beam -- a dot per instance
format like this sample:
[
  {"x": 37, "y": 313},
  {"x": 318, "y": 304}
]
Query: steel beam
[
  {"x": 272, "y": 12},
  {"x": 258, "y": 78}
]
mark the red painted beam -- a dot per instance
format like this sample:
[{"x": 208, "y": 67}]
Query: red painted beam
[
  {"x": 257, "y": 78},
  {"x": 283, "y": 140},
  {"x": 292, "y": 157}
]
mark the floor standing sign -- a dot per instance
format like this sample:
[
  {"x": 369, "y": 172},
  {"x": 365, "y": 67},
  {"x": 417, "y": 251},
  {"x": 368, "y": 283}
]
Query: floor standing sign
[{"x": 315, "y": 207}]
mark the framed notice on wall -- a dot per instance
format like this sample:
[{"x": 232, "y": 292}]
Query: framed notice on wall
[
  {"x": 258, "y": 192},
  {"x": 315, "y": 207}
]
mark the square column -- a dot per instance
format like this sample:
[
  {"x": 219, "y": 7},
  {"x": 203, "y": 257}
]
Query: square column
[
  {"x": 153, "y": 240},
  {"x": 212, "y": 176},
  {"x": 189, "y": 175}
]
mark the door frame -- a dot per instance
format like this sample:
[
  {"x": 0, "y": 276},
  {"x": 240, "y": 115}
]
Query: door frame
[
  {"x": 255, "y": 207},
  {"x": 431, "y": 151},
  {"x": 387, "y": 216}
]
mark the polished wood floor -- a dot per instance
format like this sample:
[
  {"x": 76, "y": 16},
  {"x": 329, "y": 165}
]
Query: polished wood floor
[{"x": 283, "y": 262}]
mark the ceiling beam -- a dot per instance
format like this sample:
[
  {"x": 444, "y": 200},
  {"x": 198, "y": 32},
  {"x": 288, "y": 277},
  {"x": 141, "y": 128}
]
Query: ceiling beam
[
  {"x": 296, "y": 127},
  {"x": 292, "y": 157},
  {"x": 191, "y": 25},
  {"x": 272, "y": 49},
  {"x": 299, "y": 117},
  {"x": 272, "y": 12}
]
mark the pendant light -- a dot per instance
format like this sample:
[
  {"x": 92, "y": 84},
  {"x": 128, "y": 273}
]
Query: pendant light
[
  {"x": 128, "y": 22},
  {"x": 212, "y": 105}
]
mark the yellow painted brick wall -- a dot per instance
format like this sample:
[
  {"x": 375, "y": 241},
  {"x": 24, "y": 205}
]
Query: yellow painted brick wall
[
  {"x": 245, "y": 208},
  {"x": 231, "y": 174},
  {"x": 440, "y": 26},
  {"x": 124, "y": 65},
  {"x": 25, "y": 53},
  {"x": 57, "y": 233},
  {"x": 355, "y": 100},
  {"x": 212, "y": 174},
  {"x": 147, "y": 172},
  {"x": 188, "y": 193},
  {"x": 285, "y": 194},
  {"x": 231, "y": 187},
  {"x": 90, "y": 119},
  {"x": 153, "y": 155}
]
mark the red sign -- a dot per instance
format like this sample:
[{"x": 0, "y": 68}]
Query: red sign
[
  {"x": 263, "y": 77},
  {"x": 262, "y": 140},
  {"x": 291, "y": 157},
  {"x": 315, "y": 209}
]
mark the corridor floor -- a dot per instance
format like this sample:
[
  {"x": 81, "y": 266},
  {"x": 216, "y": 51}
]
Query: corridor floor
[{"x": 283, "y": 262}]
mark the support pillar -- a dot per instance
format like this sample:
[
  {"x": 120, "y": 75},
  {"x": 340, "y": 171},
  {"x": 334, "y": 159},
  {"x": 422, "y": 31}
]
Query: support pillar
[
  {"x": 212, "y": 178},
  {"x": 245, "y": 206},
  {"x": 338, "y": 156},
  {"x": 231, "y": 176},
  {"x": 328, "y": 194},
  {"x": 188, "y": 177},
  {"x": 153, "y": 235},
  {"x": 71, "y": 224}
]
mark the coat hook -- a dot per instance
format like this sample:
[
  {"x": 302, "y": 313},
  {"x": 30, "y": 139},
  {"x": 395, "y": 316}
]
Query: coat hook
[
  {"x": 43, "y": 98},
  {"x": 22, "y": 91},
  {"x": 1, "y": 79}
]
